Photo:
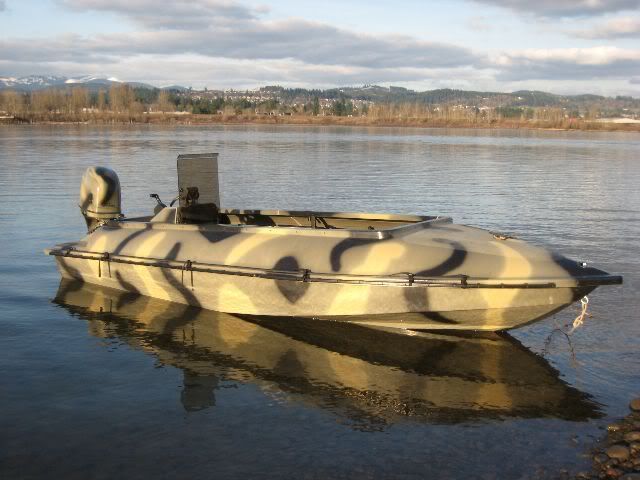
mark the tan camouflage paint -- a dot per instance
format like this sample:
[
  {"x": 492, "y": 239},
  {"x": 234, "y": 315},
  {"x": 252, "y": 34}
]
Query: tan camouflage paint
[
  {"x": 350, "y": 266},
  {"x": 436, "y": 249}
]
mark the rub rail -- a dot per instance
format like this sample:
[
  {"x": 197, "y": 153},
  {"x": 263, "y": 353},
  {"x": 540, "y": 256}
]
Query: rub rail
[{"x": 400, "y": 279}]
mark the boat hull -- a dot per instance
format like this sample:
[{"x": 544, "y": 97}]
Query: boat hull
[{"x": 426, "y": 306}]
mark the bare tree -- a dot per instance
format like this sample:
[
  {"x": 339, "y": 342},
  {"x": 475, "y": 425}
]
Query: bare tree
[
  {"x": 12, "y": 102},
  {"x": 163, "y": 103},
  {"x": 79, "y": 100},
  {"x": 101, "y": 101}
]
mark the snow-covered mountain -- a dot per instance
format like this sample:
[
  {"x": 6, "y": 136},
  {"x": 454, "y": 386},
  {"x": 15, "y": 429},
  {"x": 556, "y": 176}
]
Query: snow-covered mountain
[
  {"x": 39, "y": 82},
  {"x": 91, "y": 79},
  {"x": 31, "y": 82}
]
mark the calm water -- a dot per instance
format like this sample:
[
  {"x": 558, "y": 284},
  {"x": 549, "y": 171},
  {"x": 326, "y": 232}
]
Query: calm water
[{"x": 160, "y": 390}]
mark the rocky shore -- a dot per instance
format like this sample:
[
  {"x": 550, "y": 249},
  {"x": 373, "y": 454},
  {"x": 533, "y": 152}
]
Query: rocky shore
[{"x": 617, "y": 456}]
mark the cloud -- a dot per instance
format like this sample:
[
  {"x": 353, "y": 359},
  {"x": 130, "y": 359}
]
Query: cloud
[
  {"x": 568, "y": 63},
  {"x": 3, "y": 5},
  {"x": 200, "y": 71},
  {"x": 225, "y": 28},
  {"x": 60, "y": 49},
  {"x": 188, "y": 57},
  {"x": 220, "y": 43},
  {"x": 479, "y": 23},
  {"x": 177, "y": 14},
  {"x": 301, "y": 40},
  {"x": 218, "y": 73},
  {"x": 614, "y": 28},
  {"x": 565, "y": 8}
]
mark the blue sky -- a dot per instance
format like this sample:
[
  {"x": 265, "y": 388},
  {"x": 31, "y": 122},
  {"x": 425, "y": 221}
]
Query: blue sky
[{"x": 563, "y": 46}]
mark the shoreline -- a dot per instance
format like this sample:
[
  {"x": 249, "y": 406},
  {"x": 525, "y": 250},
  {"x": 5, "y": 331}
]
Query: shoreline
[
  {"x": 203, "y": 119},
  {"x": 617, "y": 455}
]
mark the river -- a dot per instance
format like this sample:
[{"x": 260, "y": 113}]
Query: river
[{"x": 157, "y": 390}]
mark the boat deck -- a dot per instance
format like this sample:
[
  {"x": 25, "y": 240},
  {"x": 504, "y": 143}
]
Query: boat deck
[
  {"x": 324, "y": 220},
  {"x": 334, "y": 224}
]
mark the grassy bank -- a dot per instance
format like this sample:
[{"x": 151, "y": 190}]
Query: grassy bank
[{"x": 241, "y": 119}]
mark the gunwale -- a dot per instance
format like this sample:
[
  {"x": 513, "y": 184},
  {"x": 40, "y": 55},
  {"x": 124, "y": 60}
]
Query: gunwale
[{"x": 407, "y": 224}]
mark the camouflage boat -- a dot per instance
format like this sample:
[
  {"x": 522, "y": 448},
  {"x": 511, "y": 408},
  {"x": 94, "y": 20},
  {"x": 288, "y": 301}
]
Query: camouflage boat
[{"x": 356, "y": 267}]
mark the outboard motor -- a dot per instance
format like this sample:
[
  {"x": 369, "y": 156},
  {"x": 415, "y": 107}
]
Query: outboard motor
[{"x": 99, "y": 196}]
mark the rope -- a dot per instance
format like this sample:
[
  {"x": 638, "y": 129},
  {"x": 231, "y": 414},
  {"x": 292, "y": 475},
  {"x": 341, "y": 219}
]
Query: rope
[{"x": 579, "y": 321}]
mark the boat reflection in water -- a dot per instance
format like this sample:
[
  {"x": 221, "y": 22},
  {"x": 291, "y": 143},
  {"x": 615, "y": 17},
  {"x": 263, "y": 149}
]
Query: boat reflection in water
[{"x": 369, "y": 377}]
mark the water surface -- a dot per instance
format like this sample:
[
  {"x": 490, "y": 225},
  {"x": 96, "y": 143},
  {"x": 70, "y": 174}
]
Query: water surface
[{"x": 152, "y": 389}]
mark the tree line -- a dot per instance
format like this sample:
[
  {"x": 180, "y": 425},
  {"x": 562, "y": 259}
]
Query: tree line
[
  {"x": 123, "y": 102},
  {"x": 79, "y": 101}
]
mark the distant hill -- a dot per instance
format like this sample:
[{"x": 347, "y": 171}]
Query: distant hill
[
  {"x": 464, "y": 97},
  {"x": 447, "y": 96},
  {"x": 366, "y": 93},
  {"x": 40, "y": 82},
  {"x": 175, "y": 88}
]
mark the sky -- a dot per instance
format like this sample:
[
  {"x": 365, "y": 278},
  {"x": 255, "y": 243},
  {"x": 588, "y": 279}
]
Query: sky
[{"x": 560, "y": 46}]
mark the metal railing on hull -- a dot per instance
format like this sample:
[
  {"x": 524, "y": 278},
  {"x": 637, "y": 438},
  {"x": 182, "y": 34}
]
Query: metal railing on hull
[{"x": 303, "y": 275}]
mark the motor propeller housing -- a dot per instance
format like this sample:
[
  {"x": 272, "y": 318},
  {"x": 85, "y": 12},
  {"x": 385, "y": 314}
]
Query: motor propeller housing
[{"x": 100, "y": 197}]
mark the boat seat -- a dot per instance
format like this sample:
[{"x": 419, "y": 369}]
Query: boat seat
[{"x": 198, "y": 213}]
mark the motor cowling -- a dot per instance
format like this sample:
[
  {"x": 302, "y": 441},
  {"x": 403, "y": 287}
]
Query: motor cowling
[{"x": 100, "y": 197}]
